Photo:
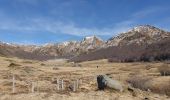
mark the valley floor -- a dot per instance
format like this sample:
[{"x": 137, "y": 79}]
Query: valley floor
[{"x": 37, "y": 80}]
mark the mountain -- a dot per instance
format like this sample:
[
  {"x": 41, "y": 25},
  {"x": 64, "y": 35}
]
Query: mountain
[
  {"x": 129, "y": 53},
  {"x": 49, "y": 51},
  {"x": 142, "y": 43},
  {"x": 133, "y": 44},
  {"x": 91, "y": 43},
  {"x": 20, "y": 51},
  {"x": 71, "y": 48},
  {"x": 143, "y": 34}
]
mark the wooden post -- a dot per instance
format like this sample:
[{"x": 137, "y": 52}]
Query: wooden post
[
  {"x": 74, "y": 86},
  {"x": 62, "y": 84},
  {"x": 13, "y": 84},
  {"x": 32, "y": 88},
  {"x": 58, "y": 84},
  {"x": 77, "y": 84},
  {"x": 52, "y": 79}
]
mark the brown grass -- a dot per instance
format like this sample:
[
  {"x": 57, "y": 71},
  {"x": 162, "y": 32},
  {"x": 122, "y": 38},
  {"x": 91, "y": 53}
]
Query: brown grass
[
  {"x": 164, "y": 70},
  {"x": 44, "y": 76}
]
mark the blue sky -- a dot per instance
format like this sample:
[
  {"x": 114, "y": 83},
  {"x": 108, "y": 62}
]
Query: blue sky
[{"x": 50, "y": 21}]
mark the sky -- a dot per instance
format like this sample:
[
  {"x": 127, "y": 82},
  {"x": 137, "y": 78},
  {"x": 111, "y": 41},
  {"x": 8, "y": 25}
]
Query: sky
[{"x": 52, "y": 21}]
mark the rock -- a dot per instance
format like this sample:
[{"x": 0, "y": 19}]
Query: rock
[
  {"x": 101, "y": 82},
  {"x": 114, "y": 84},
  {"x": 104, "y": 81}
]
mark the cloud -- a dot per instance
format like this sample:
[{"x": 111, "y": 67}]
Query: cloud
[
  {"x": 137, "y": 17},
  {"x": 144, "y": 12},
  {"x": 149, "y": 11},
  {"x": 58, "y": 27},
  {"x": 40, "y": 24}
]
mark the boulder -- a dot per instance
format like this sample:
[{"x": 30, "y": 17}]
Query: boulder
[
  {"x": 101, "y": 82},
  {"x": 105, "y": 81}
]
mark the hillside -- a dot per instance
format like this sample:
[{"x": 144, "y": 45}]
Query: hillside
[
  {"x": 136, "y": 44},
  {"x": 142, "y": 43},
  {"x": 143, "y": 34},
  {"x": 128, "y": 53},
  {"x": 50, "y": 51}
]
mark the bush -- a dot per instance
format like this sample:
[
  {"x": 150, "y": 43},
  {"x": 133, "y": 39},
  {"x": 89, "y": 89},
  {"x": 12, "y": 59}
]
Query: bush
[
  {"x": 113, "y": 60},
  {"x": 13, "y": 65},
  {"x": 42, "y": 64},
  {"x": 28, "y": 61},
  {"x": 139, "y": 82},
  {"x": 164, "y": 70},
  {"x": 163, "y": 90},
  {"x": 153, "y": 84},
  {"x": 162, "y": 87}
]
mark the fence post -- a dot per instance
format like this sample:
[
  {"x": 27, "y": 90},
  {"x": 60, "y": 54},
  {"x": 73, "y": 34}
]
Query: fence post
[
  {"x": 13, "y": 84},
  {"x": 58, "y": 84},
  {"x": 77, "y": 84},
  {"x": 37, "y": 86},
  {"x": 32, "y": 89},
  {"x": 62, "y": 84},
  {"x": 74, "y": 86},
  {"x": 164, "y": 73}
]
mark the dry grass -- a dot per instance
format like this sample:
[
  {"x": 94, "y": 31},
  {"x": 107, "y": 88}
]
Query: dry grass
[
  {"x": 44, "y": 75},
  {"x": 164, "y": 70}
]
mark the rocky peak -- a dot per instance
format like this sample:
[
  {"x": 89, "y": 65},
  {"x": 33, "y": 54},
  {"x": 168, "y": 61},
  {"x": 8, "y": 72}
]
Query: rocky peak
[
  {"x": 145, "y": 28},
  {"x": 142, "y": 34},
  {"x": 68, "y": 43},
  {"x": 91, "y": 39},
  {"x": 91, "y": 43}
]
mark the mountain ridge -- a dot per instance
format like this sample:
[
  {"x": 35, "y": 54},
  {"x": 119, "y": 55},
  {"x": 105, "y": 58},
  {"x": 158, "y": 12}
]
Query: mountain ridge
[{"x": 140, "y": 35}]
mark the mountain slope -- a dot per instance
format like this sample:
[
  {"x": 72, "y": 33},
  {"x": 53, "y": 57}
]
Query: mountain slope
[
  {"x": 134, "y": 44},
  {"x": 139, "y": 44},
  {"x": 143, "y": 34},
  {"x": 50, "y": 51},
  {"x": 128, "y": 53}
]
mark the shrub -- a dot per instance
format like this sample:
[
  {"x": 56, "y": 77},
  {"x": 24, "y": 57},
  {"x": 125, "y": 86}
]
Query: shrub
[
  {"x": 112, "y": 60},
  {"x": 28, "y": 61},
  {"x": 139, "y": 82},
  {"x": 42, "y": 64},
  {"x": 13, "y": 65},
  {"x": 10, "y": 60},
  {"x": 162, "y": 87},
  {"x": 55, "y": 68},
  {"x": 145, "y": 83},
  {"x": 164, "y": 70}
]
